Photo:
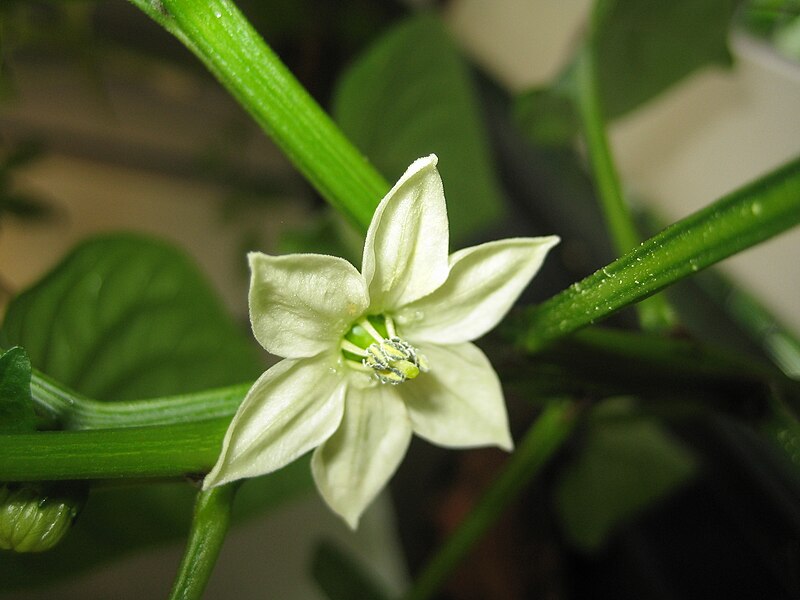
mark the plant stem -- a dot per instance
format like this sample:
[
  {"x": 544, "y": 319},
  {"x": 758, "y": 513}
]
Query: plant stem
[
  {"x": 655, "y": 313},
  {"x": 738, "y": 221},
  {"x": 224, "y": 40},
  {"x": 540, "y": 443},
  {"x": 70, "y": 410},
  {"x": 212, "y": 515},
  {"x": 155, "y": 451}
]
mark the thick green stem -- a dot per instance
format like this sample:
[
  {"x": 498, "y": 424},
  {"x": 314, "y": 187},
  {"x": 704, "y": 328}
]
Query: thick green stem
[
  {"x": 156, "y": 451},
  {"x": 212, "y": 515},
  {"x": 734, "y": 223},
  {"x": 540, "y": 443},
  {"x": 654, "y": 313},
  {"x": 233, "y": 51},
  {"x": 69, "y": 410}
]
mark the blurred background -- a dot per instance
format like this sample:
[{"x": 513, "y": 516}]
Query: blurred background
[{"x": 108, "y": 124}]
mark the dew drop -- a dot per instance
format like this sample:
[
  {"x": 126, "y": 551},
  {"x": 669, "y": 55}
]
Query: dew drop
[{"x": 756, "y": 208}]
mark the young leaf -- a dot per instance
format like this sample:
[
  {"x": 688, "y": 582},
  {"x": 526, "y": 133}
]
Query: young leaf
[
  {"x": 627, "y": 463},
  {"x": 16, "y": 406},
  {"x": 642, "y": 48},
  {"x": 410, "y": 95},
  {"x": 126, "y": 317}
]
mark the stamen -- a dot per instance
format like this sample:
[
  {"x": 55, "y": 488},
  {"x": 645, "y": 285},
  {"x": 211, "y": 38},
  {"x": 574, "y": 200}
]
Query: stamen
[
  {"x": 395, "y": 361},
  {"x": 352, "y": 348},
  {"x": 373, "y": 346},
  {"x": 368, "y": 327},
  {"x": 390, "y": 327}
]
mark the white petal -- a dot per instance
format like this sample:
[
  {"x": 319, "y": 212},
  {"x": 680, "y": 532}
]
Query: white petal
[
  {"x": 301, "y": 304},
  {"x": 293, "y": 407},
  {"x": 458, "y": 403},
  {"x": 357, "y": 461},
  {"x": 483, "y": 284},
  {"x": 405, "y": 252}
]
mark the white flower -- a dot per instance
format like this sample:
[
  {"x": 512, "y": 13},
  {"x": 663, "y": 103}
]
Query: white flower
[{"x": 371, "y": 357}]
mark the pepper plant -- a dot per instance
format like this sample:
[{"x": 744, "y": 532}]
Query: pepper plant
[{"x": 121, "y": 365}]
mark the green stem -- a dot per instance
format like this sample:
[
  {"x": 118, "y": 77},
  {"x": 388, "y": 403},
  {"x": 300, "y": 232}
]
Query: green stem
[
  {"x": 540, "y": 443},
  {"x": 222, "y": 38},
  {"x": 70, "y": 410},
  {"x": 212, "y": 515},
  {"x": 655, "y": 313},
  {"x": 734, "y": 223},
  {"x": 155, "y": 451}
]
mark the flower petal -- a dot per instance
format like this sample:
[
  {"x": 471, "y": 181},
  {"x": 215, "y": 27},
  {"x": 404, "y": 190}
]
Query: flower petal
[
  {"x": 405, "y": 252},
  {"x": 357, "y": 461},
  {"x": 301, "y": 304},
  {"x": 293, "y": 407},
  {"x": 459, "y": 402},
  {"x": 483, "y": 284}
]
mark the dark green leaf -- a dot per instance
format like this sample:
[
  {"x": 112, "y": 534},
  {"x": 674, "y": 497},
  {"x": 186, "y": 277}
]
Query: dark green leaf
[
  {"x": 328, "y": 233},
  {"x": 627, "y": 463},
  {"x": 410, "y": 95},
  {"x": 340, "y": 577},
  {"x": 16, "y": 405},
  {"x": 642, "y": 48},
  {"x": 125, "y": 317}
]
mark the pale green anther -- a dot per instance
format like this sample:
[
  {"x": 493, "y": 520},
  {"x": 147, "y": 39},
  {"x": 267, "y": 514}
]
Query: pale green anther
[
  {"x": 391, "y": 359},
  {"x": 394, "y": 361}
]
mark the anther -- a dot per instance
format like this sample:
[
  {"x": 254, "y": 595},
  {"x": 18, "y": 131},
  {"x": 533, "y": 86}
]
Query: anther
[{"x": 394, "y": 361}]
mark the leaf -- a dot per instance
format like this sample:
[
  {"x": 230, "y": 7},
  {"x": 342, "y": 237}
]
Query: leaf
[
  {"x": 16, "y": 405},
  {"x": 410, "y": 95},
  {"x": 642, "y": 48},
  {"x": 125, "y": 317},
  {"x": 628, "y": 462},
  {"x": 325, "y": 233},
  {"x": 340, "y": 577}
]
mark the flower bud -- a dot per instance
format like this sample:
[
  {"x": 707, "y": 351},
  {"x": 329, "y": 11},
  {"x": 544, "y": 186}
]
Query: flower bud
[{"x": 35, "y": 516}]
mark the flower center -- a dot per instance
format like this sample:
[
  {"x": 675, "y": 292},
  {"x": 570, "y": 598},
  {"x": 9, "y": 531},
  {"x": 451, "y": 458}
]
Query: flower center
[{"x": 373, "y": 346}]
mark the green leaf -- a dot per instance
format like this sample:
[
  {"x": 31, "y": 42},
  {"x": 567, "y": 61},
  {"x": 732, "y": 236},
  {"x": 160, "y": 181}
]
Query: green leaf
[
  {"x": 16, "y": 405},
  {"x": 126, "y": 317},
  {"x": 626, "y": 464},
  {"x": 410, "y": 95},
  {"x": 340, "y": 577},
  {"x": 642, "y": 48}
]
